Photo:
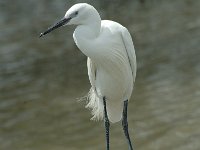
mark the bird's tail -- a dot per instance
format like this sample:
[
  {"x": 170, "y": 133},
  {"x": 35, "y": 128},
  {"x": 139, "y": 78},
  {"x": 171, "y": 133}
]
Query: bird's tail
[{"x": 95, "y": 104}]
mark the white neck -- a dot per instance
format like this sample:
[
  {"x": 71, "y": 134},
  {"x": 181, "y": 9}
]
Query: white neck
[
  {"x": 87, "y": 32},
  {"x": 90, "y": 28}
]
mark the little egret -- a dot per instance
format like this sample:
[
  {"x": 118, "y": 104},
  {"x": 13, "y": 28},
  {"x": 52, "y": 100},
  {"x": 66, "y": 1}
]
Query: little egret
[{"x": 111, "y": 63}]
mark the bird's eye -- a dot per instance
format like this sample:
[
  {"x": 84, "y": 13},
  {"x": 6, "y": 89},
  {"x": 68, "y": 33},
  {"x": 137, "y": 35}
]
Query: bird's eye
[{"x": 76, "y": 13}]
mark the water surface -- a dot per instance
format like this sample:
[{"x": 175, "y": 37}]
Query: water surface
[{"x": 41, "y": 79}]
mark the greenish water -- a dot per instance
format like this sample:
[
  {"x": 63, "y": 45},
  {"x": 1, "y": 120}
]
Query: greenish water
[{"x": 41, "y": 79}]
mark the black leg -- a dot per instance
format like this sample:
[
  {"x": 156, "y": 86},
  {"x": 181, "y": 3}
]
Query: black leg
[
  {"x": 107, "y": 124},
  {"x": 125, "y": 124}
]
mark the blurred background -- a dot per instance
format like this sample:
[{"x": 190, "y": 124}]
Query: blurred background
[{"x": 42, "y": 79}]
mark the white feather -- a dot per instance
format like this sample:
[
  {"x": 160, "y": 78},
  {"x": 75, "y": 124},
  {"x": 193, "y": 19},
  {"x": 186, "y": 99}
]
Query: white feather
[{"x": 111, "y": 62}]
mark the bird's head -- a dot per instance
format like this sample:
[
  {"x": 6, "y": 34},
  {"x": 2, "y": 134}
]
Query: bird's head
[{"x": 78, "y": 14}]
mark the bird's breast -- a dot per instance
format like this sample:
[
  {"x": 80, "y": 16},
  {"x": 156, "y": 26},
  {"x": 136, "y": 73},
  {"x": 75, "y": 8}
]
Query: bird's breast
[{"x": 113, "y": 73}]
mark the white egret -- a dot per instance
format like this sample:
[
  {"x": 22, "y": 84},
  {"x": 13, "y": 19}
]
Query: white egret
[{"x": 111, "y": 63}]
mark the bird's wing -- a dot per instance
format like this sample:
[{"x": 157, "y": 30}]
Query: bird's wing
[
  {"x": 91, "y": 72},
  {"x": 130, "y": 50}
]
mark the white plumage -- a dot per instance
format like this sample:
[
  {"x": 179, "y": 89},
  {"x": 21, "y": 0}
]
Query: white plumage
[{"x": 111, "y": 59}]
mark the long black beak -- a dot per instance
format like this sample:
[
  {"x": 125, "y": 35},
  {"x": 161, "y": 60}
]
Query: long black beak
[{"x": 60, "y": 23}]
